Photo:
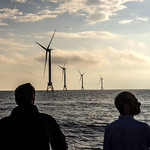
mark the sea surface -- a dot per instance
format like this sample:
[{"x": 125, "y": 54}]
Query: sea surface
[{"x": 82, "y": 115}]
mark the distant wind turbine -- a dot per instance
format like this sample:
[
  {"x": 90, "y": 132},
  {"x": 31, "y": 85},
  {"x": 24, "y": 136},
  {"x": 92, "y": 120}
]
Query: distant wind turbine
[
  {"x": 81, "y": 78},
  {"x": 64, "y": 74},
  {"x": 48, "y": 50},
  {"x": 101, "y": 80}
]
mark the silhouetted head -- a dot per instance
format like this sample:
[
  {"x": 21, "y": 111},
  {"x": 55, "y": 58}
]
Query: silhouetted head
[
  {"x": 25, "y": 95},
  {"x": 127, "y": 104}
]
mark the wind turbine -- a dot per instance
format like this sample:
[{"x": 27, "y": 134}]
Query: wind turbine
[
  {"x": 81, "y": 78},
  {"x": 64, "y": 74},
  {"x": 101, "y": 80},
  {"x": 48, "y": 50}
]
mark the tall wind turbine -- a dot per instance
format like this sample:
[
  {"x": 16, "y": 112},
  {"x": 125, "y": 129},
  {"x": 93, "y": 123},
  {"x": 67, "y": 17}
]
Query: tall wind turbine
[
  {"x": 48, "y": 50},
  {"x": 64, "y": 74},
  {"x": 101, "y": 80},
  {"x": 81, "y": 78}
]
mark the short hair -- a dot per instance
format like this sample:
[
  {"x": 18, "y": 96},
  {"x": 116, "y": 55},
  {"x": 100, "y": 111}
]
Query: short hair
[
  {"x": 24, "y": 94},
  {"x": 123, "y": 98}
]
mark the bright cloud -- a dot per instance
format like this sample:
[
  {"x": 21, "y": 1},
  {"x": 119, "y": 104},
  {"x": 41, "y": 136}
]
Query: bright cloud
[
  {"x": 95, "y": 10},
  {"x": 136, "y": 19},
  {"x": 19, "y": 1},
  {"x": 125, "y": 21},
  {"x": 18, "y": 16},
  {"x": 7, "y": 13},
  {"x": 142, "y": 19}
]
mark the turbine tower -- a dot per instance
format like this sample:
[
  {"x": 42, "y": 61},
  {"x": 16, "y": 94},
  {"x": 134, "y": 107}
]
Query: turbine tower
[
  {"x": 48, "y": 50},
  {"x": 81, "y": 78},
  {"x": 64, "y": 74},
  {"x": 101, "y": 80}
]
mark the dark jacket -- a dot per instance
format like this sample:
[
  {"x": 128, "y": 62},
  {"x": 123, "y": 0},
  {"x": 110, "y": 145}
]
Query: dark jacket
[
  {"x": 126, "y": 133},
  {"x": 27, "y": 129}
]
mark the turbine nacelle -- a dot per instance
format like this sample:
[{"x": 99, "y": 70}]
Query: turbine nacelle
[
  {"x": 64, "y": 74},
  {"x": 81, "y": 78},
  {"x": 63, "y": 68},
  {"x": 49, "y": 49}
]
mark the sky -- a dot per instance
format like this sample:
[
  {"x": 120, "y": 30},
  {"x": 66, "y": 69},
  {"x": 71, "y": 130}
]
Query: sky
[{"x": 107, "y": 38}]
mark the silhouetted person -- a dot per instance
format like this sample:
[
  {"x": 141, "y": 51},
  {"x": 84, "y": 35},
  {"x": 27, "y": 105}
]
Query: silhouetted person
[
  {"x": 26, "y": 128},
  {"x": 126, "y": 133}
]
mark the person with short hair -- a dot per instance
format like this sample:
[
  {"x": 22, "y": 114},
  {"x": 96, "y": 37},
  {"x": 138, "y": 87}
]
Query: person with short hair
[
  {"x": 126, "y": 133},
  {"x": 28, "y": 129}
]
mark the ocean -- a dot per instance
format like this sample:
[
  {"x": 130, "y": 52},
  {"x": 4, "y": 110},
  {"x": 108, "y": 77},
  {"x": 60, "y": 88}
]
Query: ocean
[{"x": 82, "y": 115}]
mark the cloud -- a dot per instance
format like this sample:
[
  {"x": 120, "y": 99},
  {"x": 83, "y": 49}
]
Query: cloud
[
  {"x": 3, "y": 24},
  {"x": 11, "y": 44},
  {"x": 142, "y": 18},
  {"x": 7, "y": 13},
  {"x": 87, "y": 34},
  {"x": 110, "y": 57},
  {"x": 93, "y": 10},
  {"x": 125, "y": 21},
  {"x": 136, "y": 19},
  {"x": 137, "y": 45},
  {"x": 4, "y": 60},
  {"x": 14, "y": 58},
  {"x": 16, "y": 15},
  {"x": 78, "y": 58},
  {"x": 127, "y": 58},
  {"x": 54, "y": 1},
  {"x": 75, "y": 58},
  {"x": 19, "y": 1},
  {"x": 110, "y": 60},
  {"x": 30, "y": 17}
]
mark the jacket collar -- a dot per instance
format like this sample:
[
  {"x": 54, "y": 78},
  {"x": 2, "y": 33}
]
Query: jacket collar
[
  {"x": 19, "y": 110},
  {"x": 126, "y": 117}
]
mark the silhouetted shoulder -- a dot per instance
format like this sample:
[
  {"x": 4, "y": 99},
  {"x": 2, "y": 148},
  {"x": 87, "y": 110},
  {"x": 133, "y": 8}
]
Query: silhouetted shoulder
[
  {"x": 127, "y": 121},
  {"x": 4, "y": 121},
  {"x": 48, "y": 119},
  {"x": 56, "y": 137},
  {"x": 47, "y": 116},
  {"x": 50, "y": 123}
]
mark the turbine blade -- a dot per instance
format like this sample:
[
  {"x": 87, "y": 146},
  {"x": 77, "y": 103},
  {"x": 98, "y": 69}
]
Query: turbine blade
[
  {"x": 51, "y": 40},
  {"x": 79, "y": 71},
  {"x": 60, "y": 66},
  {"x": 83, "y": 73},
  {"x": 45, "y": 64},
  {"x": 80, "y": 79},
  {"x": 100, "y": 76},
  {"x": 65, "y": 63},
  {"x": 41, "y": 46}
]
